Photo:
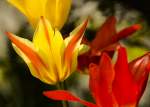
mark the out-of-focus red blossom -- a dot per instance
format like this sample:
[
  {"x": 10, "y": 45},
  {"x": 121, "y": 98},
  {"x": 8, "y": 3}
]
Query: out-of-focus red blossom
[
  {"x": 106, "y": 39},
  {"x": 119, "y": 85}
]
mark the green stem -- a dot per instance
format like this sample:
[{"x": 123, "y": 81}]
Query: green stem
[{"x": 62, "y": 86}]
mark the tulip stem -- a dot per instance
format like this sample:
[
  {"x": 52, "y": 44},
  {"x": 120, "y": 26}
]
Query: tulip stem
[{"x": 62, "y": 86}]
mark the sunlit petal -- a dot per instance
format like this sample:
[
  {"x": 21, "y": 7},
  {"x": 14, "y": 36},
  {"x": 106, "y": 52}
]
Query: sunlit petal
[
  {"x": 33, "y": 9},
  {"x": 105, "y": 33},
  {"x": 28, "y": 52},
  {"x": 74, "y": 43},
  {"x": 57, "y": 12},
  {"x": 123, "y": 80},
  {"x": 101, "y": 80},
  {"x": 126, "y": 32},
  {"x": 140, "y": 72},
  {"x": 67, "y": 96}
]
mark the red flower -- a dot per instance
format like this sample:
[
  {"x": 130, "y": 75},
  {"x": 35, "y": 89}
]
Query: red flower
[
  {"x": 106, "y": 39},
  {"x": 119, "y": 85}
]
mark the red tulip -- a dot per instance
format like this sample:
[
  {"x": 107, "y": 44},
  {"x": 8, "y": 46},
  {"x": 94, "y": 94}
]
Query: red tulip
[
  {"x": 106, "y": 39},
  {"x": 119, "y": 85}
]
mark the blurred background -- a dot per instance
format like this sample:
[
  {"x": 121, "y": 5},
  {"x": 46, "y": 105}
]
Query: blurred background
[{"x": 18, "y": 88}]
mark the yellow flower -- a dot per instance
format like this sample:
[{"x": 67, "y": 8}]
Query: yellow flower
[
  {"x": 48, "y": 56},
  {"x": 56, "y": 11}
]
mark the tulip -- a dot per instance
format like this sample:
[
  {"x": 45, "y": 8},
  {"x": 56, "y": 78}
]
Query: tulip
[
  {"x": 56, "y": 11},
  {"x": 119, "y": 85},
  {"x": 50, "y": 58},
  {"x": 106, "y": 39}
]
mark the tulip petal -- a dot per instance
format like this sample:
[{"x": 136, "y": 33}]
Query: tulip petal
[
  {"x": 33, "y": 70},
  {"x": 138, "y": 67},
  {"x": 28, "y": 52},
  {"x": 105, "y": 33},
  {"x": 43, "y": 35},
  {"x": 57, "y": 47},
  {"x": 74, "y": 43},
  {"x": 52, "y": 47},
  {"x": 35, "y": 9},
  {"x": 140, "y": 72},
  {"x": 85, "y": 59},
  {"x": 57, "y": 12},
  {"x": 126, "y": 32},
  {"x": 28, "y": 49},
  {"x": 29, "y": 8},
  {"x": 124, "y": 80},
  {"x": 42, "y": 40},
  {"x": 18, "y": 4},
  {"x": 67, "y": 96},
  {"x": 101, "y": 79},
  {"x": 38, "y": 72}
]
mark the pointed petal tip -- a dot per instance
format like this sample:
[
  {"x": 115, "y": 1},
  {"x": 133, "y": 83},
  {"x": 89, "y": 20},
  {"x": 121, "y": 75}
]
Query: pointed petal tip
[
  {"x": 73, "y": 42},
  {"x": 45, "y": 93},
  {"x": 121, "y": 48},
  {"x": 91, "y": 65},
  {"x": 113, "y": 18},
  {"x": 122, "y": 52},
  {"x": 136, "y": 26},
  {"x": 105, "y": 59},
  {"x": 42, "y": 18},
  {"x": 126, "y": 32},
  {"x": 9, "y": 35},
  {"x": 105, "y": 56},
  {"x": 122, "y": 56},
  {"x": 86, "y": 21}
]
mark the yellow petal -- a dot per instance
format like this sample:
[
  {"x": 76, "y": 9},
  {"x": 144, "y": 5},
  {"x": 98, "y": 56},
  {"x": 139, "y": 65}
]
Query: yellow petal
[
  {"x": 43, "y": 37},
  {"x": 35, "y": 9},
  {"x": 35, "y": 62},
  {"x": 19, "y": 4},
  {"x": 58, "y": 47},
  {"x": 38, "y": 72},
  {"x": 74, "y": 60},
  {"x": 28, "y": 49},
  {"x": 43, "y": 42},
  {"x": 57, "y": 12},
  {"x": 82, "y": 49},
  {"x": 74, "y": 43},
  {"x": 33, "y": 70},
  {"x": 32, "y": 9}
]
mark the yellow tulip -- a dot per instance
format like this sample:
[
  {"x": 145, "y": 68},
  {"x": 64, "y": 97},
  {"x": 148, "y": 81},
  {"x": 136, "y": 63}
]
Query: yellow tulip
[
  {"x": 49, "y": 57},
  {"x": 56, "y": 11}
]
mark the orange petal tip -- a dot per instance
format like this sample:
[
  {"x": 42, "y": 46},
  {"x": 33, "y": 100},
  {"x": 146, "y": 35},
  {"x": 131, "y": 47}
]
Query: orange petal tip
[{"x": 137, "y": 26}]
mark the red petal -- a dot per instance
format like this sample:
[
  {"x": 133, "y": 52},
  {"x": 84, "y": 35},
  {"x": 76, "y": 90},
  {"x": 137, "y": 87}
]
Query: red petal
[
  {"x": 101, "y": 78},
  {"x": 126, "y": 32},
  {"x": 105, "y": 33},
  {"x": 65, "y": 95},
  {"x": 138, "y": 66},
  {"x": 124, "y": 88},
  {"x": 85, "y": 59},
  {"x": 140, "y": 70}
]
